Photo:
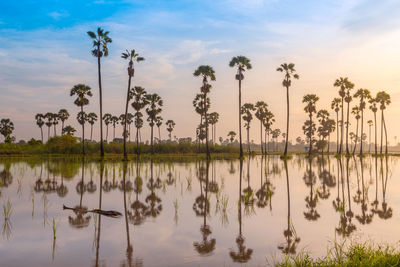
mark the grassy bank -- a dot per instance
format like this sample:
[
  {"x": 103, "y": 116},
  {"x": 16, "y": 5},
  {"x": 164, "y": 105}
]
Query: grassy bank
[{"x": 363, "y": 254}]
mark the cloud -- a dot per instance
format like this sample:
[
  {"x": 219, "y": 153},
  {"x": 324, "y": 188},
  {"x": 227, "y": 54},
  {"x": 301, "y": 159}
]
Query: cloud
[{"x": 58, "y": 15}]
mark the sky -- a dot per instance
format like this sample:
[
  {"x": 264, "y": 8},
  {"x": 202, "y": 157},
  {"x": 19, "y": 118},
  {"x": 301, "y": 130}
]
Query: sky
[{"x": 45, "y": 51}]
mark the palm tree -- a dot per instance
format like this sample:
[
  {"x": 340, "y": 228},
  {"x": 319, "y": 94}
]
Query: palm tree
[
  {"x": 132, "y": 56},
  {"x": 356, "y": 112},
  {"x": 82, "y": 118},
  {"x": 139, "y": 102},
  {"x": 49, "y": 123},
  {"x": 383, "y": 99},
  {"x": 159, "y": 120},
  {"x": 242, "y": 63},
  {"x": 63, "y": 115},
  {"x": 39, "y": 122},
  {"x": 69, "y": 130},
  {"x": 153, "y": 109},
  {"x": 373, "y": 107},
  {"x": 370, "y": 124},
  {"x": 206, "y": 72},
  {"x": 55, "y": 122},
  {"x": 213, "y": 120},
  {"x": 290, "y": 72},
  {"x": 344, "y": 85},
  {"x": 336, "y": 105},
  {"x": 363, "y": 94},
  {"x": 310, "y": 108},
  {"x": 6, "y": 129},
  {"x": 138, "y": 117},
  {"x": 170, "y": 127},
  {"x": 82, "y": 92},
  {"x": 201, "y": 108},
  {"x": 232, "y": 136},
  {"x": 107, "y": 120},
  {"x": 92, "y": 118},
  {"x": 267, "y": 122},
  {"x": 100, "y": 42},
  {"x": 114, "y": 122},
  {"x": 129, "y": 120},
  {"x": 324, "y": 130},
  {"x": 261, "y": 110},
  {"x": 246, "y": 110}
]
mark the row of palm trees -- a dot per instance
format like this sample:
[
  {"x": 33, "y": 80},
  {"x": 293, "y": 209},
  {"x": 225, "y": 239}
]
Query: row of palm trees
[{"x": 51, "y": 119}]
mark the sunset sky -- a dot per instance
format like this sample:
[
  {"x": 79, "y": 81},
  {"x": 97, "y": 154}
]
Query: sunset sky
[{"x": 44, "y": 51}]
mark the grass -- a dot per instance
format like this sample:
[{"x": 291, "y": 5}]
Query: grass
[{"x": 363, "y": 254}]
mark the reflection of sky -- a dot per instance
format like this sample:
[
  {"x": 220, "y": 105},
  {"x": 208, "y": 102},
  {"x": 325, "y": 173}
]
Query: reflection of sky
[
  {"x": 44, "y": 51},
  {"x": 159, "y": 241}
]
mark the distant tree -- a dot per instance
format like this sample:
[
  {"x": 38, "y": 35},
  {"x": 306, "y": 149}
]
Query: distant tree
[
  {"x": 159, "y": 120},
  {"x": 370, "y": 124},
  {"x": 39, "y": 122},
  {"x": 139, "y": 102},
  {"x": 261, "y": 111},
  {"x": 68, "y": 130},
  {"x": 82, "y": 92},
  {"x": 290, "y": 72},
  {"x": 6, "y": 129},
  {"x": 114, "y": 122},
  {"x": 63, "y": 115},
  {"x": 153, "y": 109},
  {"x": 92, "y": 118},
  {"x": 129, "y": 121},
  {"x": 336, "y": 105},
  {"x": 205, "y": 72},
  {"x": 107, "y": 121},
  {"x": 49, "y": 122},
  {"x": 364, "y": 95},
  {"x": 309, "y": 126},
  {"x": 374, "y": 108},
  {"x": 55, "y": 122},
  {"x": 267, "y": 123},
  {"x": 356, "y": 112},
  {"x": 246, "y": 110},
  {"x": 132, "y": 56},
  {"x": 232, "y": 136},
  {"x": 383, "y": 99},
  {"x": 213, "y": 120},
  {"x": 100, "y": 49},
  {"x": 170, "y": 127},
  {"x": 242, "y": 63}
]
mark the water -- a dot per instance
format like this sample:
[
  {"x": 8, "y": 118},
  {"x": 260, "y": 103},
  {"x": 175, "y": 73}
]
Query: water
[{"x": 193, "y": 213}]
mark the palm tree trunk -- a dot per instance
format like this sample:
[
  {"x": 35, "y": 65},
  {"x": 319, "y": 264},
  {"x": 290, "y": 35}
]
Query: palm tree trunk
[
  {"x": 329, "y": 140},
  {"x": 341, "y": 129},
  {"x": 48, "y": 133},
  {"x": 337, "y": 132},
  {"x": 261, "y": 135},
  {"x": 41, "y": 133},
  {"x": 91, "y": 132},
  {"x": 129, "y": 132},
  {"x": 240, "y": 118},
  {"x": 382, "y": 121},
  {"x": 62, "y": 126},
  {"x": 206, "y": 121},
  {"x": 347, "y": 129},
  {"x": 248, "y": 139},
  {"x": 310, "y": 135},
  {"x": 287, "y": 120},
  {"x": 151, "y": 141},
  {"x": 386, "y": 142},
  {"x": 376, "y": 138},
  {"x": 355, "y": 143},
  {"x": 101, "y": 104},
  {"x": 126, "y": 113},
  {"x": 159, "y": 134},
  {"x": 83, "y": 134},
  {"x": 362, "y": 132},
  {"x": 113, "y": 132},
  {"x": 55, "y": 130}
]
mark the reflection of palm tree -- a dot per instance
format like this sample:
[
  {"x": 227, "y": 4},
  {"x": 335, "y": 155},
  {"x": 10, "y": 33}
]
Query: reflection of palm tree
[
  {"x": 80, "y": 211},
  {"x": 248, "y": 194},
  {"x": 386, "y": 212},
  {"x": 375, "y": 203},
  {"x": 264, "y": 194},
  {"x": 154, "y": 207},
  {"x": 364, "y": 218},
  {"x": 290, "y": 234},
  {"x": 129, "y": 248},
  {"x": 138, "y": 215},
  {"x": 311, "y": 200},
  {"x": 243, "y": 254},
  {"x": 99, "y": 220},
  {"x": 328, "y": 180},
  {"x": 206, "y": 245}
]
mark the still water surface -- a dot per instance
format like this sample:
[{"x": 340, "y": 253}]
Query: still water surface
[{"x": 193, "y": 214}]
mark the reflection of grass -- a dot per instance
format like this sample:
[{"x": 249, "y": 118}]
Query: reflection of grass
[
  {"x": 363, "y": 254},
  {"x": 7, "y": 210},
  {"x": 54, "y": 228}
]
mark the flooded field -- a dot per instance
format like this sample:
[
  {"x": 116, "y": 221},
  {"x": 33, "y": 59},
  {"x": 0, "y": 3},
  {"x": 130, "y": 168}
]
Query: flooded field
[{"x": 218, "y": 213}]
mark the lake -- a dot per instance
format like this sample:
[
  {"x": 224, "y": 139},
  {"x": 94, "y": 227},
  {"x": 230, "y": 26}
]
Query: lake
[{"x": 196, "y": 213}]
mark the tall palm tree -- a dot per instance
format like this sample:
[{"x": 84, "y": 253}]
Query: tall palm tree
[
  {"x": 201, "y": 108},
  {"x": 324, "y": 130},
  {"x": 363, "y": 95},
  {"x": 336, "y": 105},
  {"x": 232, "y": 136},
  {"x": 344, "y": 92},
  {"x": 159, "y": 120},
  {"x": 309, "y": 128},
  {"x": 92, "y": 118},
  {"x": 356, "y": 112},
  {"x": 206, "y": 72},
  {"x": 214, "y": 117},
  {"x": 242, "y": 63},
  {"x": 129, "y": 120},
  {"x": 82, "y": 118},
  {"x": 107, "y": 120},
  {"x": 49, "y": 123},
  {"x": 100, "y": 49},
  {"x": 138, "y": 117},
  {"x": 370, "y": 124},
  {"x": 261, "y": 110},
  {"x": 246, "y": 110},
  {"x": 170, "y": 127},
  {"x": 39, "y": 122},
  {"x": 63, "y": 115},
  {"x": 114, "y": 122},
  {"x": 152, "y": 110},
  {"x": 55, "y": 122},
  {"x": 132, "y": 56},
  {"x": 290, "y": 72},
  {"x": 383, "y": 99},
  {"x": 267, "y": 123},
  {"x": 373, "y": 107},
  {"x": 82, "y": 92},
  {"x": 139, "y": 102}
]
